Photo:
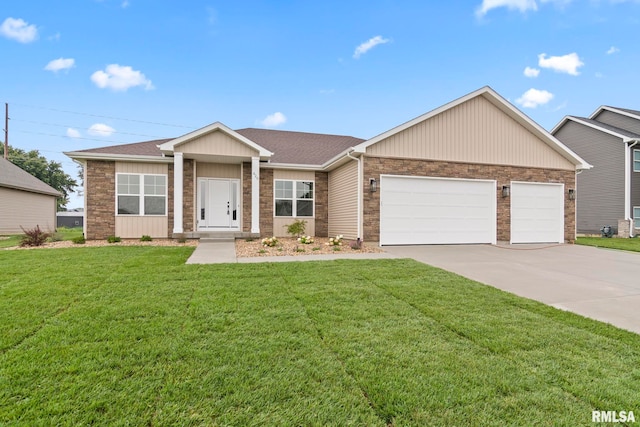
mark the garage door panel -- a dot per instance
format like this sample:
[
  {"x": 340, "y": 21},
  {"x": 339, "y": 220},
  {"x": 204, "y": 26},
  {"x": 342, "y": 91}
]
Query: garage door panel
[
  {"x": 537, "y": 213},
  {"x": 436, "y": 211}
]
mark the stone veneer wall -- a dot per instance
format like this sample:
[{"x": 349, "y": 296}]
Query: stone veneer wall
[
  {"x": 170, "y": 199},
  {"x": 322, "y": 204},
  {"x": 187, "y": 197},
  {"x": 375, "y": 166},
  {"x": 266, "y": 202},
  {"x": 100, "y": 194},
  {"x": 246, "y": 197}
]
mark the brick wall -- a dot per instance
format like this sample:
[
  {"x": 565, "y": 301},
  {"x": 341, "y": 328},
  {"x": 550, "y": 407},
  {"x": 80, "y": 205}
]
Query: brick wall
[
  {"x": 266, "y": 202},
  {"x": 170, "y": 199},
  {"x": 100, "y": 197},
  {"x": 188, "y": 202},
  {"x": 322, "y": 204},
  {"x": 375, "y": 166}
]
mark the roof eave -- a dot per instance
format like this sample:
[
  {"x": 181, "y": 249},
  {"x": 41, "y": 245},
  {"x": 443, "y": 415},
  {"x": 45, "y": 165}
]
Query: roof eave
[
  {"x": 80, "y": 155},
  {"x": 53, "y": 193}
]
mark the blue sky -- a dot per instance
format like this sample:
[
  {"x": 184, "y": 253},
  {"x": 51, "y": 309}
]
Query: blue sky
[{"x": 87, "y": 73}]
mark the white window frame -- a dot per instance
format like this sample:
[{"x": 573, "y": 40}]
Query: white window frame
[
  {"x": 636, "y": 160},
  {"x": 294, "y": 199},
  {"x": 141, "y": 195},
  {"x": 636, "y": 217}
]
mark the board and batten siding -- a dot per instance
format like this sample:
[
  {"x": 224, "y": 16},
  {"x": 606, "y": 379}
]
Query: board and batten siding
[
  {"x": 23, "y": 208},
  {"x": 216, "y": 143},
  {"x": 600, "y": 191},
  {"x": 343, "y": 201},
  {"x": 280, "y": 223},
  {"x": 619, "y": 121},
  {"x": 217, "y": 170},
  {"x": 475, "y": 131},
  {"x": 134, "y": 227}
]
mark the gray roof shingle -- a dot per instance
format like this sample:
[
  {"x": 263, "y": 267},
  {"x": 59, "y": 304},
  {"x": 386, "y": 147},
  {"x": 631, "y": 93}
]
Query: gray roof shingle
[
  {"x": 289, "y": 147},
  {"x": 605, "y": 126},
  {"x": 11, "y": 176}
]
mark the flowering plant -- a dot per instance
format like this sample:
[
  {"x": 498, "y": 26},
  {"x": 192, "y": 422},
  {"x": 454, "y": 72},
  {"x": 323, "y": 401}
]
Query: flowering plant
[
  {"x": 269, "y": 241},
  {"x": 307, "y": 240},
  {"x": 335, "y": 241}
]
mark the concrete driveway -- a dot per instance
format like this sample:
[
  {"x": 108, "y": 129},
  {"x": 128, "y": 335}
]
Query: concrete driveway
[{"x": 597, "y": 283}]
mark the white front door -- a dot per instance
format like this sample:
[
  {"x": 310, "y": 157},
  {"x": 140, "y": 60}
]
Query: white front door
[{"x": 218, "y": 203}]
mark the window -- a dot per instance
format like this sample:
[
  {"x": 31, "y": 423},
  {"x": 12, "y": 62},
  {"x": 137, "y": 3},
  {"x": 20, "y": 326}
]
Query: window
[
  {"x": 636, "y": 160},
  {"x": 636, "y": 217},
  {"x": 141, "y": 194},
  {"x": 294, "y": 198}
]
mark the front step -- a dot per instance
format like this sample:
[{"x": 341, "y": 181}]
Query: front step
[{"x": 231, "y": 235}]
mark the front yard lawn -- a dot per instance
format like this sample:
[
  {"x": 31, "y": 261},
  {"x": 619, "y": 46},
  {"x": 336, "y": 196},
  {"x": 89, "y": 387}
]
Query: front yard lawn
[
  {"x": 632, "y": 244},
  {"x": 133, "y": 336}
]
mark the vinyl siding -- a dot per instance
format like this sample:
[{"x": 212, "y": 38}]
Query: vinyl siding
[
  {"x": 475, "y": 131},
  {"x": 600, "y": 191},
  {"x": 619, "y": 121},
  {"x": 217, "y": 170},
  {"x": 134, "y": 227},
  {"x": 217, "y": 143},
  {"x": 343, "y": 201},
  {"x": 22, "y": 208},
  {"x": 635, "y": 186},
  {"x": 280, "y": 223}
]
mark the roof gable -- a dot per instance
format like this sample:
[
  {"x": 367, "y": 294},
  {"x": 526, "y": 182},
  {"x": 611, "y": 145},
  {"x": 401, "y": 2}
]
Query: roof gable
[
  {"x": 481, "y": 127},
  {"x": 623, "y": 134},
  {"x": 11, "y": 176}
]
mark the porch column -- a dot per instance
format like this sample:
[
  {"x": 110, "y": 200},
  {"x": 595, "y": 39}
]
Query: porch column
[
  {"x": 178, "y": 176},
  {"x": 255, "y": 194}
]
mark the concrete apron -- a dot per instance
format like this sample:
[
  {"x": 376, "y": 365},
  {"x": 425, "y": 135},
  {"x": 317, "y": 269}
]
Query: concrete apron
[{"x": 597, "y": 283}]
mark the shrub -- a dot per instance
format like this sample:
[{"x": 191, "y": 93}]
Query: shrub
[
  {"x": 146, "y": 238},
  {"x": 335, "y": 241},
  {"x": 182, "y": 240},
  {"x": 113, "y": 239},
  {"x": 297, "y": 228},
  {"x": 307, "y": 240},
  {"x": 79, "y": 240},
  {"x": 269, "y": 241},
  {"x": 33, "y": 237},
  {"x": 56, "y": 237}
]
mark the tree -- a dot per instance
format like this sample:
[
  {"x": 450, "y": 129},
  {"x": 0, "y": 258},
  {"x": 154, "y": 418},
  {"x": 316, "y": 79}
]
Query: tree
[{"x": 47, "y": 171}]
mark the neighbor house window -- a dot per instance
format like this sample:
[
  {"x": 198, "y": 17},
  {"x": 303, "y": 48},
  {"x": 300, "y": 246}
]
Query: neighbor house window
[
  {"x": 293, "y": 198},
  {"x": 138, "y": 194},
  {"x": 636, "y": 160},
  {"x": 636, "y": 217}
]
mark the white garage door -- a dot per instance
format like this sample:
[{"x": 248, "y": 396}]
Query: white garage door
[
  {"x": 537, "y": 213},
  {"x": 417, "y": 210}
]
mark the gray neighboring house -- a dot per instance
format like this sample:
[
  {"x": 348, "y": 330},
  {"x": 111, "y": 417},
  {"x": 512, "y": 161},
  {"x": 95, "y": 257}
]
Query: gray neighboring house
[
  {"x": 70, "y": 219},
  {"x": 609, "y": 194},
  {"x": 25, "y": 201}
]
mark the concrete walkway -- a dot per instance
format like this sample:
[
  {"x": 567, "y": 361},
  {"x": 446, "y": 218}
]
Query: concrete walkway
[{"x": 222, "y": 251}]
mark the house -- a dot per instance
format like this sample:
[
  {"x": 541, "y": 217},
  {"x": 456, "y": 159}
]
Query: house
[
  {"x": 70, "y": 219},
  {"x": 476, "y": 170},
  {"x": 609, "y": 139},
  {"x": 25, "y": 201}
]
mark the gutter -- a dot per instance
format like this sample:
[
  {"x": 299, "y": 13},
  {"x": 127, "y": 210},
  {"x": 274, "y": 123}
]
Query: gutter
[{"x": 359, "y": 205}]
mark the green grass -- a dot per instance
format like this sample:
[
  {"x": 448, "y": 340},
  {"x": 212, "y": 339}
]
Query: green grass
[
  {"x": 133, "y": 336},
  {"x": 63, "y": 233},
  {"x": 632, "y": 244}
]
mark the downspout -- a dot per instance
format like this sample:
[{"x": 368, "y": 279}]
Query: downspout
[
  {"x": 357, "y": 159},
  {"x": 627, "y": 185}
]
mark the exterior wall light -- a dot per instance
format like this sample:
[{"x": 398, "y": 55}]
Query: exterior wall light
[
  {"x": 572, "y": 194},
  {"x": 373, "y": 185},
  {"x": 506, "y": 191}
]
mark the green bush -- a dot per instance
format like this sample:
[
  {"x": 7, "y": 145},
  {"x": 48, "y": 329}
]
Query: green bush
[
  {"x": 79, "y": 240},
  {"x": 297, "y": 228},
  {"x": 146, "y": 238},
  {"x": 113, "y": 239}
]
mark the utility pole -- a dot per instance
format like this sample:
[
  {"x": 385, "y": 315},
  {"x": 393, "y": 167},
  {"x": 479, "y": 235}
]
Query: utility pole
[{"x": 6, "y": 130}]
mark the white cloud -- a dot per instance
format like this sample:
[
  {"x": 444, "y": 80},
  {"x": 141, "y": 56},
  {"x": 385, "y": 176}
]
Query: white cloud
[
  {"x": 534, "y": 97},
  {"x": 73, "y": 133},
  {"x": 273, "y": 120},
  {"x": 55, "y": 37},
  {"x": 368, "y": 45},
  {"x": 531, "y": 72},
  {"x": 125, "y": 4},
  {"x": 519, "y": 5},
  {"x": 562, "y": 64},
  {"x": 19, "y": 30},
  {"x": 120, "y": 78},
  {"x": 613, "y": 50},
  {"x": 60, "y": 64},
  {"x": 100, "y": 129}
]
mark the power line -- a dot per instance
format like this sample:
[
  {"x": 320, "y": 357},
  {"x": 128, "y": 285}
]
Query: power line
[
  {"x": 67, "y": 126},
  {"x": 71, "y": 138},
  {"x": 101, "y": 116}
]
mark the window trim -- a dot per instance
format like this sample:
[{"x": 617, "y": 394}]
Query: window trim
[
  {"x": 142, "y": 195},
  {"x": 636, "y": 162},
  {"x": 294, "y": 207},
  {"x": 636, "y": 219}
]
